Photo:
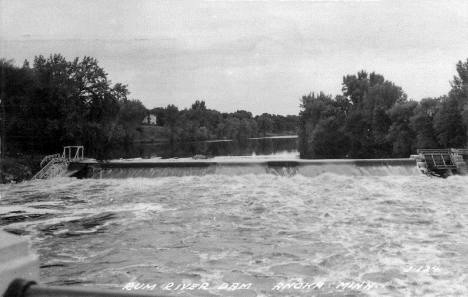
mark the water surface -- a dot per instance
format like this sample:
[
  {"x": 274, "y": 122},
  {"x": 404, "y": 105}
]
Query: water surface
[
  {"x": 257, "y": 229},
  {"x": 253, "y": 146}
]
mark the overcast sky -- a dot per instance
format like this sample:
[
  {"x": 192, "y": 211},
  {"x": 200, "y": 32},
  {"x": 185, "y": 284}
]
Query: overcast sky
[{"x": 260, "y": 56}]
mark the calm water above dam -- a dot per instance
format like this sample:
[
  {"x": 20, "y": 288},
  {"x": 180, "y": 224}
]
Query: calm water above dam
[
  {"x": 397, "y": 235},
  {"x": 256, "y": 146}
]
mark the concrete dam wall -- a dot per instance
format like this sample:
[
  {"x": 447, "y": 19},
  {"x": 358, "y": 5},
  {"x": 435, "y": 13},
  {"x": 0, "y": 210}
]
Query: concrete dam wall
[{"x": 310, "y": 168}]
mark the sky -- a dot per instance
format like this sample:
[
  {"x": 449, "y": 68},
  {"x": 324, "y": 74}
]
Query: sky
[{"x": 260, "y": 56}]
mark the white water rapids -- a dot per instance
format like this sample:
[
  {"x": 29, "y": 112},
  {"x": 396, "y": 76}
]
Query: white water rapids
[{"x": 407, "y": 235}]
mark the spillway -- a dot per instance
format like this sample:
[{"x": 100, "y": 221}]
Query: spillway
[{"x": 308, "y": 168}]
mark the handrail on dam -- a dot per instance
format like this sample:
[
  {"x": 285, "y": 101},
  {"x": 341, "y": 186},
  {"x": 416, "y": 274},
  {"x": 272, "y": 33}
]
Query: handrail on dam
[
  {"x": 70, "y": 153},
  {"x": 25, "y": 288},
  {"x": 439, "y": 158},
  {"x": 442, "y": 161},
  {"x": 53, "y": 165}
]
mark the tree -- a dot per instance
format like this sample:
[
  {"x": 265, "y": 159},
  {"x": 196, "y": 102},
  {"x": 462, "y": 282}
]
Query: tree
[
  {"x": 199, "y": 105},
  {"x": 449, "y": 125},
  {"x": 159, "y": 112},
  {"x": 231, "y": 128},
  {"x": 460, "y": 82},
  {"x": 422, "y": 123},
  {"x": 264, "y": 123},
  {"x": 241, "y": 114},
  {"x": 78, "y": 101},
  {"x": 355, "y": 87},
  {"x": 321, "y": 125},
  {"x": 357, "y": 128},
  {"x": 17, "y": 90},
  {"x": 459, "y": 93},
  {"x": 328, "y": 140},
  {"x": 400, "y": 134},
  {"x": 130, "y": 116},
  {"x": 367, "y": 121},
  {"x": 171, "y": 117}
]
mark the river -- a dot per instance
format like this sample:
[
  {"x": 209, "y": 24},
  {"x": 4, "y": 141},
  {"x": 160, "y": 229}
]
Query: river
[
  {"x": 276, "y": 145},
  {"x": 248, "y": 235}
]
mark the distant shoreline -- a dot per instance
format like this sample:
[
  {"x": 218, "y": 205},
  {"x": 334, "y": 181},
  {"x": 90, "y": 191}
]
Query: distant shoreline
[{"x": 162, "y": 140}]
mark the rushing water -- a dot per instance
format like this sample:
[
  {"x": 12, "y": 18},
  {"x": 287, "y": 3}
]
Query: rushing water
[{"x": 399, "y": 235}]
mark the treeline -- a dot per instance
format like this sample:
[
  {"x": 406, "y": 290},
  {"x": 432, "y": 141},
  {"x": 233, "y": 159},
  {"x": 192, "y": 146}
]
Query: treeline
[
  {"x": 198, "y": 123},
  {"x": 373, "y": 118},
  {"x": 54, "y": 102},
  {"x": 58, "y": 102}
]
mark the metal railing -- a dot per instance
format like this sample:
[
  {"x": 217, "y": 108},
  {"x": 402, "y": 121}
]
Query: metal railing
[
  {"x": 55, "y": 167},
  {"x": 25, "y": 288},
  {"x": 56, "y": 164},
  {"x": 439, "y": 158},
  {"x": 48, "y": 158},
  {"x": 73, "y": 152},
  {"x": 462, "y": 151}
]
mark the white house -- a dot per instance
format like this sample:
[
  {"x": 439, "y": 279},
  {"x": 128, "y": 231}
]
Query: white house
[{"x": 149, "y": 120}]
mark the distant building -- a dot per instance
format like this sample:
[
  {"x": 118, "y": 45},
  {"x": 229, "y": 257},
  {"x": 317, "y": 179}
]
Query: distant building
[{"x": 149, "y": 120}]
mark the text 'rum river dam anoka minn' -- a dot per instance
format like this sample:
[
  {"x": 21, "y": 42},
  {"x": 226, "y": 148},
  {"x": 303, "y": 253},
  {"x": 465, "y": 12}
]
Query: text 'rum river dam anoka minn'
[{"x": 248, "y": 226}]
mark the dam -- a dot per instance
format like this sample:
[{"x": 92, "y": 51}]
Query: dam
[
  {"x": 239, "y": 166},
  {"x": 71, "y": 163}
]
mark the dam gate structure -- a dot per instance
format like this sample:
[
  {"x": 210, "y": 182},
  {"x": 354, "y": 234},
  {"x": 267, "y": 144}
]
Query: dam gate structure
[{"x": 442, "y": 162}]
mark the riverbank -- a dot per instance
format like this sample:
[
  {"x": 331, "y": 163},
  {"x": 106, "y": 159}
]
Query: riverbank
[{"x": 14, "y": 170}]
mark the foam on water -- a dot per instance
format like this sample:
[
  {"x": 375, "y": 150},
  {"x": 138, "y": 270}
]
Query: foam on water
[
  {"x": 254, "y": 165},
  {"x": 257, "y": 228}
]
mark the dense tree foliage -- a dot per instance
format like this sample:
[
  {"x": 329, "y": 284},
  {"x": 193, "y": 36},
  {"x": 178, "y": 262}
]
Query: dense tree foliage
[
  {"x": 58, "y": 102},
  {"x": 264, "y": 123},
  {"x": 400, "y": 134},
  {"x": 374, "y": 119},
  {"x": 422, "y": 123},
  {"x": 321, "y": 127},
  {"x": 200, "y": 123},
  {"x": 18, "y": 85}
]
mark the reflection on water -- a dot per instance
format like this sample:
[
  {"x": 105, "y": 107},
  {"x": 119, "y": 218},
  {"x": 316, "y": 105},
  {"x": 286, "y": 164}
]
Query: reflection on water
[
  {"x": 257, "y": 146},
  {"x": 262, "y": 230}
]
